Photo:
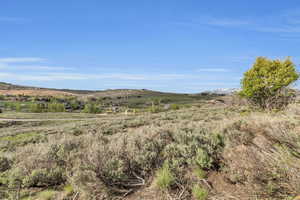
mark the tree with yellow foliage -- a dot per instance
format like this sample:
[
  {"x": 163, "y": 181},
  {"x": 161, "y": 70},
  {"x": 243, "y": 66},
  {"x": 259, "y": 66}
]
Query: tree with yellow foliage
[{"x": 266, "y": 84}]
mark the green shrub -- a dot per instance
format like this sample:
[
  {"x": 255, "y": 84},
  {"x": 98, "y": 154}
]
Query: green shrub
[
  {"x": 57, "y": 153},
  {"x": 18, "y": 107},
  {"x": 91, "y": 108},
  {"x": 69, "y": 190},
  {"x": 195, "y": 146},
  {"x": 178, "y": 155},
  {"x": 44, "y": 178},
  {"x": 5, "y": 164},
  {"x": 200, "y": 173},
  {"x": 203, "y": 160},
  {"x": 75, "y": 105},
  {"x": 77, "y": 132},
  {"x": 265, "y": 84},
  {"x": 114, "y": 170},
  {"x": 199, "y": 192},
  {"x": 13, "y": 180},
  {"x": 120, "y": 164},
  {"x": 37, "y": 108},
  {"x": 56, "y": 107},
  {"x": 154, "y": 109},
  {"x": 164, "y": 177},
  {"x": 147, "y": 157},
  {"x": 174, "y": 107},
  {"x": 156, "y": 101},
  {"x": 13, "y": 106},
  {"x": 11, "y": 142},
  {"x": 46, "y": 195}
]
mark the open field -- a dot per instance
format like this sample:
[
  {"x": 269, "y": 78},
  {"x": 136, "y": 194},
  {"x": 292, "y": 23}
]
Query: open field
[{"x": 211, "y": 150}]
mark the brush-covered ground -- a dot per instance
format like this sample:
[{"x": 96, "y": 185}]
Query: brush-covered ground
[{"x": 209, "y": 150}]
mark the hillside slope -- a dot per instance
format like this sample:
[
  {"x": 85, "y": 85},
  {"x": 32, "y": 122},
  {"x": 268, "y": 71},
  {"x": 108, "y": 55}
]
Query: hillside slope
[
  {"x": 211, "y": 152},
  {"x": 132, "y": 98}
]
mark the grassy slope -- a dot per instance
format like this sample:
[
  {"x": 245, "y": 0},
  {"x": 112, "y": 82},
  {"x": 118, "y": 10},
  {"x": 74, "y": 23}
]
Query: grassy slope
[
  {"x": 137, "y": 99},
  {"x": 226, "y": 151}
]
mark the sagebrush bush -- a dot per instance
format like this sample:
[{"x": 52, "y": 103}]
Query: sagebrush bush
[
  {"x": 75, "y": 104},
  {"x": 265, "y": 84},
  {"x": 124, "y": 161},
  {"x": 44, "y": 178},
  {"x": 203, "y": 160},
  {"x": 5, "y": 163},
  {"x": 188, "y": 142}
]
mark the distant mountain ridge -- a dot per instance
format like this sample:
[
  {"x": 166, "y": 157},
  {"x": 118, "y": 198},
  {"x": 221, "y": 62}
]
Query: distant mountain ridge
[
  {"x": 12, "y": 89},
  {"x": 224, "y": 91},
  {"x": 9, "y": 86},
  {"x": 20, "y": 89}
]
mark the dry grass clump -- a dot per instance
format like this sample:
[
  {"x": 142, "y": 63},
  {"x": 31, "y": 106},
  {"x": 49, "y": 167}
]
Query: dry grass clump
[
  {"x": 199, "y": 193},
  {"x": 164, "y": 177}
]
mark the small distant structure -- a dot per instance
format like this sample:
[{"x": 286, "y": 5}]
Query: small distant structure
[
  {"x": 115, "y": 108},
  {"x": 216, "y": 101},
  {"x": 167, "y": 106}
]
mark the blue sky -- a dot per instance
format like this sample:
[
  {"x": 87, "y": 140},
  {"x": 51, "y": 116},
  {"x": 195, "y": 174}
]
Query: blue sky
[{"x": 166, "y": 45}]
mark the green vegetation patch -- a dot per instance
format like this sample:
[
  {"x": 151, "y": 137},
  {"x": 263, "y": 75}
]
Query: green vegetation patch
[
  {"x": 12, "y": 141},
  {"x": 164, "y": 177},
  {"x": 43, "y": 195},
  {"x": 200, "y": 193}
]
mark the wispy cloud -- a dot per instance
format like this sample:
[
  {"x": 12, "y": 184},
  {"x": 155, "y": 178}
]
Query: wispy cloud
[
  {"x": 287, "y": 22},
  {"x": 13, "y": 19},
  {"x": 80, "y": 76},
  {"x": 279, "y": 29},
  {"x": 73, "y": 76},
  {"x": 28, "y": 63},
  {"x": 21, "y": 60},
  {"x": 34, "y": 67},
  {"x": 214, "y": 21},
  {"x": 226, "y": 22},
  {"x": 35, "y": 70}
]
